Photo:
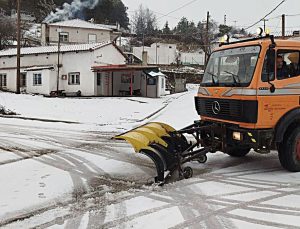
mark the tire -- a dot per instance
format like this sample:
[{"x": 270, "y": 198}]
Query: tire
[
  {"x": 289, "y": 151},
  {"x": 238, "y": 152},
  {"x": 187, "y": 172}
]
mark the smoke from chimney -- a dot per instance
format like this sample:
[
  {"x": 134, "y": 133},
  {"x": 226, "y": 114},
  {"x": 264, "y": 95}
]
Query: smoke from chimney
[{"x": 69, "y": 11}]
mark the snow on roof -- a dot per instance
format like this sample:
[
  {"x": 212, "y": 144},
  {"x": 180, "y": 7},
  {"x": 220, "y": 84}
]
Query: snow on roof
[
  {"x": 155, "y": 74},
  {"x": 54, "y": 49},
  {"x": 77, "y": 23}
]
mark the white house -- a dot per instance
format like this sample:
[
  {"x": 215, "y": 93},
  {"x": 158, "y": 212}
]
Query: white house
[
  {"x": 40, "y": 68},
  {"x": 77, "y": 31},
  {"x": 166, "y": 54},
  {"x": 93, "y": 69},
  {"x": 158, "y": 53}
]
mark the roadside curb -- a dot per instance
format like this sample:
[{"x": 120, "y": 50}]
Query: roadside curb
[{"x": 38, "y": 119}]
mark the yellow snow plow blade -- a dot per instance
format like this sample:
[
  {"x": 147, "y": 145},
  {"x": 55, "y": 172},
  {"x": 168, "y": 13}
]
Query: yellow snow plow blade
[{"x": 141, "y": 137}]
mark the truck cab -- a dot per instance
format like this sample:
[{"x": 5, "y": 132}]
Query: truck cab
[{"x": 251, "y": 90}]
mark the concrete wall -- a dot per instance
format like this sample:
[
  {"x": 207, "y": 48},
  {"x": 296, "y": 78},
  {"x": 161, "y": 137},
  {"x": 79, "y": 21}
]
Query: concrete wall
[{"x": 188, "y": 58}]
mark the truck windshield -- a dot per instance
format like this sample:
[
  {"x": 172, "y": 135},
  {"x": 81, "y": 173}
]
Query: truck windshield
[{"x": 231, "y": 67}]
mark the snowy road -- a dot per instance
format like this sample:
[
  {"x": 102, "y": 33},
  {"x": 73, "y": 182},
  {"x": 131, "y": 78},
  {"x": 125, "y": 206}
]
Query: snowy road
[
  {"x": 75, "y": 179},
  {"x": 73, "y": 176}
]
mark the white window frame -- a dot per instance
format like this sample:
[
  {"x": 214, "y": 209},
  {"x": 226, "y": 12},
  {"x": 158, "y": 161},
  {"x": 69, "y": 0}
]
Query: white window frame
[
  {"x": 37, "y": 79},
  {"x": 64, "y": 37},
  {"x": 74, "y": 78},
  {"x": 3, "y": 80},
  {"x": 90, "y": 40}
]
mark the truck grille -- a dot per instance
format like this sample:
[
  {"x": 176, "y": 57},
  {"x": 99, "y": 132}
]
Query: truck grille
[{"x": 228, "y": 109}]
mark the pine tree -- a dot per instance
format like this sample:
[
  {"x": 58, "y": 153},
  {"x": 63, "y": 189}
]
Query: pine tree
[
  {"x": 166, "y": 29},
  {"x": 42, "y": 8}
]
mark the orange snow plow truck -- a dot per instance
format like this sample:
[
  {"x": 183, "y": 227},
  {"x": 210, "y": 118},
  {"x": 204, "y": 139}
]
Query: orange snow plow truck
[{"x": 249, "y": 98}]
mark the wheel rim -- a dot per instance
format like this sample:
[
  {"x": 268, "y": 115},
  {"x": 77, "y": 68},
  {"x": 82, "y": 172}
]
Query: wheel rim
[{"x": 298, "y": 149}]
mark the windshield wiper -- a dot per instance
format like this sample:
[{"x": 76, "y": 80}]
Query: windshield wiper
[
  {"x": 237, "y": 82},
  {"x": 213, "y": 77}
]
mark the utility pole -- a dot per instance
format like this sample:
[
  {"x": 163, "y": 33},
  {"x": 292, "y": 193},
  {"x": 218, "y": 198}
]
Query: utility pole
[
  {"x": 58, "y": 55},
  {"x": 18, "y": 47},
  {"x": 156, "y": 54},
  {"x": 206, "y": 39},
  {"x": 235, "y": 23},
  {"x": 283, "y": 25},
  {"x": 265, "y": 24}
]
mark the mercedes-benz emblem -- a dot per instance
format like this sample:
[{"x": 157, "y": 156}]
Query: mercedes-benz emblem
[{"x": 216, "y": 108}]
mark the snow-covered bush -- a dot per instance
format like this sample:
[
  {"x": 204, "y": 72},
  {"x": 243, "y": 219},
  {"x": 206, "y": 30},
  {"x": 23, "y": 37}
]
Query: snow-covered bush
[{"x": 5, "y": 111}]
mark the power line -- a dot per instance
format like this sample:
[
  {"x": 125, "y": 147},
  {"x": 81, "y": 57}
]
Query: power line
[
  {"x": 283, "y": 1},
  {"x": 155, "y": 12},
  {"x": 287, "y": 15},
  {"x": 179, "y": 8}
]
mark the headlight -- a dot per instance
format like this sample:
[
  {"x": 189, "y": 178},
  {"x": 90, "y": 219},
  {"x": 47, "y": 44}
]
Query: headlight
[{"x": 237, "y": 136}]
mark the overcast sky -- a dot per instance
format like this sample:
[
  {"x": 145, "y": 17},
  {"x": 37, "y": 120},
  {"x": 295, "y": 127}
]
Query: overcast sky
[{"x": 238, "y": 12}]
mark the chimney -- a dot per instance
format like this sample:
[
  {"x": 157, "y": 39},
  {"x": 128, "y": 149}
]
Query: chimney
[
  {"x": 145, "y": 58},
  {"x": 45, "y": 34}
]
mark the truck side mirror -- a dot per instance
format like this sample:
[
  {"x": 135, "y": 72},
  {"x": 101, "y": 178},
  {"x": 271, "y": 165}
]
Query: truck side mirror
[
  {"x": 271, "y": 54},
  {"x": 271, "y": 58},
  {"x": 268, "y": 73}
]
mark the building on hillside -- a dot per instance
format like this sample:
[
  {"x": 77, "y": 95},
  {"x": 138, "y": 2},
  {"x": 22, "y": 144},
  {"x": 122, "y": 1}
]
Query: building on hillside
[
  {"x": 78, "y": 31},
  {"x": 158, "y": 53},
  {"x": 40, "y": 69},
  {"x": 131, "y": 80},
  {"x": 25, "y": 16},
  {"x": 168, "y": 54}
]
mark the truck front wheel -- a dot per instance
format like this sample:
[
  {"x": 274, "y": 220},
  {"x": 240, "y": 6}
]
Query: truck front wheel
[
  {"x": 289, "y": 151},
  {"x": 237, "y": 152}
]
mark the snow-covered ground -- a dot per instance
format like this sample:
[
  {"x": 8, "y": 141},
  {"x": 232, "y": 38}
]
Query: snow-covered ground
[
  {"x": 109, "y": 114},
  {"x": 72, "y": 175}
]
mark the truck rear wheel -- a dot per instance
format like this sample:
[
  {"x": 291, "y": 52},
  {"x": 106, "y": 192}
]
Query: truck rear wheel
[
  {"x": 237, "y": 152},
  {"x": 289, "y": 151}
]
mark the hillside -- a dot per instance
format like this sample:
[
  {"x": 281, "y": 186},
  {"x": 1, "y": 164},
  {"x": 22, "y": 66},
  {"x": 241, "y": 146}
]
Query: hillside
[{"x": 106, "y": 11}]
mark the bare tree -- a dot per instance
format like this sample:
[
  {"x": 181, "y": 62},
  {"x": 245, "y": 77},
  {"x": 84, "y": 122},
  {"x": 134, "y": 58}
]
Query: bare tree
[{"x": 144, "y": 22}]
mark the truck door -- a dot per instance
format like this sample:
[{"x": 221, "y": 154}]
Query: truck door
[{"x": 281, "y": 93}]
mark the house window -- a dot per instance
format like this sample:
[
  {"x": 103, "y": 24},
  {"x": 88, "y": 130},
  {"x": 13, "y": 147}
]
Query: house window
[
  {"x": 126, "y": 78},
  {"x": 92, "y": 38},
  {"x": 74, "y": 78},
  {"x": 151, "y": 81},
  {"x": 3, "y": 80},
  {"x": 63, "y": 37},
  {"x": 98, "y": 79},
  {"x": 288, "y": 64},
  {"x": 37, "y": 79}
]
